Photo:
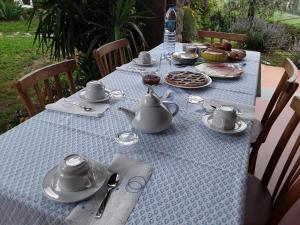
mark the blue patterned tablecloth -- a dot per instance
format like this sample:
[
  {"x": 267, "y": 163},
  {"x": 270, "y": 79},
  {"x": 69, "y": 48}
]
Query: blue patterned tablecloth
[{"x": 199, "y": 175}]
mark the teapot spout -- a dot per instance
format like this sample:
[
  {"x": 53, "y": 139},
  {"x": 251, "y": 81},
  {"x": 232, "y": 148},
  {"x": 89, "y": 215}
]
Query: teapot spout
[{"x": 130, "y": 114}]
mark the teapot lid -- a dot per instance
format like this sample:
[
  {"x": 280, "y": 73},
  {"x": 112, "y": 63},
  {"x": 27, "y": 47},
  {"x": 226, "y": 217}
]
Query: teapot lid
[{"x": 150, "y": 99}]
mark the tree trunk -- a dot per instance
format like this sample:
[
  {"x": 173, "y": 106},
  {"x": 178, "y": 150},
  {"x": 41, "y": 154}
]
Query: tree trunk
[
  {"x": 205, "y": 4},
  {"x": 251, "y": 9},
  {"x": 180, "y": 17}
]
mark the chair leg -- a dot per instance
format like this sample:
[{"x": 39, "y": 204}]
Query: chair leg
[{"x": 253, "y": 157}]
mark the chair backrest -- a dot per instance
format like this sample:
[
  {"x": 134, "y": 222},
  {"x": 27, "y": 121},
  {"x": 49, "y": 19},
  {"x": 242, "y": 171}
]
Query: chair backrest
[
  {"x": 283, "y": 91},
  {"x": 287, "y": 189},
  {"x": 239, "y": 38},
  {"x": 111, "y": 55},
  {"x": 282, "y": 95},
  {"x": 36, "y": 78}
]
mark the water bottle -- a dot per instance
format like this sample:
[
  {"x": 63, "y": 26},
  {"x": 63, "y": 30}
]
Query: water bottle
[{"x": 170, "y": 31}]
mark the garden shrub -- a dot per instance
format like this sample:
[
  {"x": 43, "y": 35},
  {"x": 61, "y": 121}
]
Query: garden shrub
[
  {"x": 26, "y": 13},
  {"x": 261, "y": 36},
  {"x": 220, "y": 21},
  {"x": 295, "y": 53},
  {"x": 203, "y": 10},
  {"x": 189, "y": 25},
  {"x": 70, "y": 28},
  {"x": 10, "y": 10},
  {"x": 293, "y": 30}
]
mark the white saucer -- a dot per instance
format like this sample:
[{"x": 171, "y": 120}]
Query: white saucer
[
  {"x": 82, "y": 96},
  {"x": 139, "y": 63},
  {"x": 53, "y": 192},
  {"x": 240, "y": 125}
]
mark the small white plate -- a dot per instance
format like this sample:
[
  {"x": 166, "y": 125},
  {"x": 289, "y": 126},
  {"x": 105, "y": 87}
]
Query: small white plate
[
  {"x": 139, "y": 63},
  {"x": 240, "y": 125},
  {"x": 53, "y": 192},
  {"x": 83, "y": 97}
]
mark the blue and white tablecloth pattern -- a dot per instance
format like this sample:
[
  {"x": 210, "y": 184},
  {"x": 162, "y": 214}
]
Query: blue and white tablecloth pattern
[{"x": 199, "y": 176}]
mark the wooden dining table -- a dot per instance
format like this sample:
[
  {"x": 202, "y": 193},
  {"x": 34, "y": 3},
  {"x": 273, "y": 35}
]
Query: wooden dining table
[{"x": 199, "y": 175}]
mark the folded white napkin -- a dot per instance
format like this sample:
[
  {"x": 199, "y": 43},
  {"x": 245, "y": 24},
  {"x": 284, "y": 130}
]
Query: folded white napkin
[
  {"x": 66, "y": 106},
  {"x": 134, "y": 176},
  {"x": 247, "y": 111},
  {"x": 130, "y": 67}
]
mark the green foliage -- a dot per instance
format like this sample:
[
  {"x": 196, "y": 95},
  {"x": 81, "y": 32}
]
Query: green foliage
[
  {"x": 71, "y": 27},
  {"x": 249, "y": 8},
  {"x": 293, "y": 6},
  {"x": 203, "y": 9},
  {"x": 66, "y": 26},
  {"x": 261, "y": 36},
  {"x": 26, "y": 13},
  {"x": 125, "y": 24},
  {"x": 10, "y": 10},
  {"x": 189, "y": 25},
  {"x": 219, "y": 21},
  {"x": 218, "y": 15},
  {"x": 295, "y": 53},
  {"x": 290, "y": 21}
]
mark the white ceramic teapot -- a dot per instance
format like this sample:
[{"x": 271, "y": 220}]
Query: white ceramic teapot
[{"x": 151, "y": 115}]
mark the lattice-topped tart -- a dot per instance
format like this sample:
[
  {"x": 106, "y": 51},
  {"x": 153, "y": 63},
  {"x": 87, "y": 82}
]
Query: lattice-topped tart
[{"x": 187, "y": 79}]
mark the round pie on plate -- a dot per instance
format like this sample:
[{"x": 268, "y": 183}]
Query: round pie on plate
[{"x": 187, "y": 79}]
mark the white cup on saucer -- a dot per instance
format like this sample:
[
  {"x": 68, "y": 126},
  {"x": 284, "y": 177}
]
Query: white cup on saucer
[
  {"x": 224, "y": 118},
  {"x": 74, "y": 173},
  {"x": 95, "y": 90},
  {"x": 191, "y": 49},
  {"x": 144, "y": 57}
]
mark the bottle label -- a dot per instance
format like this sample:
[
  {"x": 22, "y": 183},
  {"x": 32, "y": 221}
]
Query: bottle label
[{"x": 170, "y": 25}]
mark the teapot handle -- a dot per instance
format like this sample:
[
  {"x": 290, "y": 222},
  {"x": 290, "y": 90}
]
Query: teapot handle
[{"x": 167, "y": 103}]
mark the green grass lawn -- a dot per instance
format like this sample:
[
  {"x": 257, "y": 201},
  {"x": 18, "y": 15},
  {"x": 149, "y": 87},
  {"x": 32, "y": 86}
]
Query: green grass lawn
[
  {"x": 287, "y": 18},
  {"x": 18, "y": 26},
  {"x": 18, "y": 56},
  {"x": 275, "y": 58}
]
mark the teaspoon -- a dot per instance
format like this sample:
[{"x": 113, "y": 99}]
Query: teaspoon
[
  {"x": 112, "y": 183},
  {"x": 85, "y": 108}
]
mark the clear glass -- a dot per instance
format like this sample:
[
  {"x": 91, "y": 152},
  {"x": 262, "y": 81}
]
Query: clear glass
[
  {"x": 127, "y": 138},
  {"x": 117, "y": 94},
  {"x": 195, "y": 99},
  {"x": 193, "y": 103},
  {"x": 150, "y": 78}
]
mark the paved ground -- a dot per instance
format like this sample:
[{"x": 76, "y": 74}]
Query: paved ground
[{"x": 270, "y": 78}]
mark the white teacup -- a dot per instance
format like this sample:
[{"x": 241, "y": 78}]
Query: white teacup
[
  {"x": 191, "y": 49},
  {"x": 95, "y": 90},
  {"x": 144, "y": 57},
  {"x": 224, "y": 117},
  {"x": 74, "y": 173}
]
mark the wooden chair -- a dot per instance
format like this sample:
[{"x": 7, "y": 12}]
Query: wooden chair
[
  {"x": 111, "y": 55},
  {"x": 263, "y": 207},
  {"x": 283, "y": 93},
  {"x": 239, "y": 38},
  {"x": 34, "y": 81}
]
